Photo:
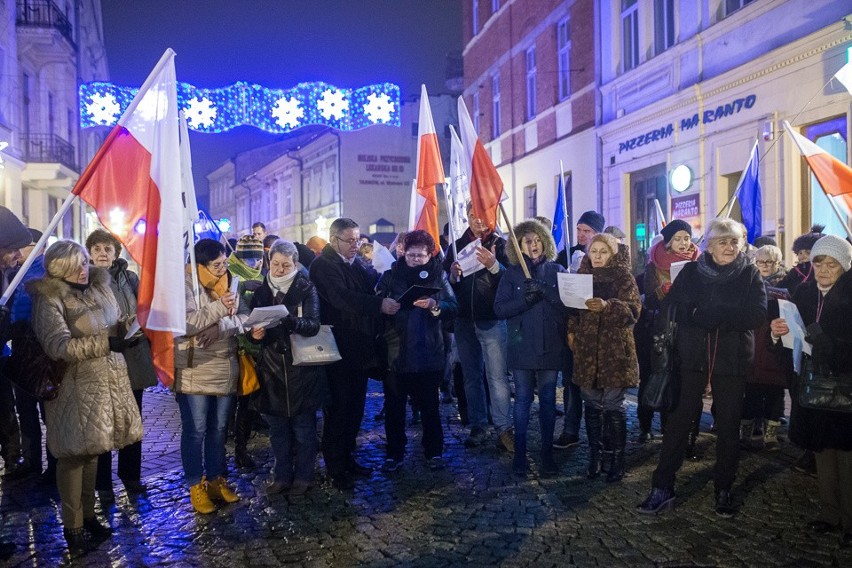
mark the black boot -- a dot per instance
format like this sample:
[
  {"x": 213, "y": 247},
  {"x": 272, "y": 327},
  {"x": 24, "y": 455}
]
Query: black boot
[
  {"x": 76, "y": 540},
  {"x": 594, "y": 431},
  {"x": 690, "y": 453},
  {"x": 242, "y": 432},
  {"x": 618, "y": 438},
  {"x": 606, "y": 442},
  {"x": 96, "y": 530}
]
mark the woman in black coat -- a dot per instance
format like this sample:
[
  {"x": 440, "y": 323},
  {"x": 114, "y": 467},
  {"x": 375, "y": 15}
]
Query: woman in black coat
[
  {"x": 719, "y": 300},
  {"x": 289, "y": 396},
  {"x": 825, "y": 304},
  {"x": 415, "y": 347}
]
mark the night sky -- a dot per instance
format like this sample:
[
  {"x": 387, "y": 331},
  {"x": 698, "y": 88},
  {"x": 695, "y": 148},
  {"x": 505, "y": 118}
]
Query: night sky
[{"x": 348, "y": 43}]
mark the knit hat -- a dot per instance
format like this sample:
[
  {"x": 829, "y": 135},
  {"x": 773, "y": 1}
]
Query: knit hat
[
  {"x": 249, "y": 248},
  {"x": 835, "y": 247},
  {"x": 615, "y": 232},
  {"x": 807, "y": 241},
  {"x": 673, "y": 227},
  {"x": 764, "y": 241},
  {"x": 594, "y": 220},
  {"x": 36, "y": 234},
  {"x": 13, "y": 233}
]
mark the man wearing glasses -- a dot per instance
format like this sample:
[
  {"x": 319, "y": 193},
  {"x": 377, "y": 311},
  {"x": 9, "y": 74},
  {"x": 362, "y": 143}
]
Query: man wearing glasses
[{"x": 346, "y": 287}]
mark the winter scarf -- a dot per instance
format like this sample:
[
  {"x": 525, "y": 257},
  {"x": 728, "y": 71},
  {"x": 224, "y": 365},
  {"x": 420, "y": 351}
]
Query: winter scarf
[
  {"x": 417, "y": 275},
  {"x": 239, "y": 268},
  {"x": 282, "y": 283},
  {"x": 776, "y": 277},
  {"x": 709, "y": 271},
  {"x": 218, "y": 286},
  {"x": 663, "y": 257}
]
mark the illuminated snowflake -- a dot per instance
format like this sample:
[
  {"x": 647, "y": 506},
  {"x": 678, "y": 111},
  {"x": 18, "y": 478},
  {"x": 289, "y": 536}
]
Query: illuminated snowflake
[
  {"x": 200, "y": 113},
  {"x": 378, "y": 108},
  {"x": 104, "y": 109},
  {"x": 287, "y": 112},
  {"x": 332, "y": 104}
]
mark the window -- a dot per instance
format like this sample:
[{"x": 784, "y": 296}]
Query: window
[
  {"x": 530, "y": 198},
  {"x": 563, "y": 42},
  {"x": 664, "y": 25},
  {"x": 475, "y": 16},
  {"x": 495, "y": 5},
  {"x": 495, "y": 105},
  {"x": 832, "y": 136},
  {"x": 476, "y": 112},
  {"x": 734, "y": 5},
  {"x": 630, "y": 33},
  {"x": 531, "y": 93}
]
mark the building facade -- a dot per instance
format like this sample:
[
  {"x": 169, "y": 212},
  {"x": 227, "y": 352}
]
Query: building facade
[{"x": 46, "y": 49}]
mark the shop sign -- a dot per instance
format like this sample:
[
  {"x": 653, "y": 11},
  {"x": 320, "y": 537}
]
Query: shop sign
[{"x": 385, "y": 170}]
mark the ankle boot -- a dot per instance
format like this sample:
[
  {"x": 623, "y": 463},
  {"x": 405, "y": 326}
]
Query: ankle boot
[
  {"x": 76, "y": 540},
  {"x": 618, "y": 437},
  {"x": 548, "y": 466},
  {"x": 200, "y": 500},
  {"x": 746, "y": 432},
  {"x": 594, "y": 431},
  {"x": 770, "y": 436}
]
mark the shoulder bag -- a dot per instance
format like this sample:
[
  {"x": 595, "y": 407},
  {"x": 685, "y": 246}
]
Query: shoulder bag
[
  {"x": 248, "y": 374},
  {"x": 658, "y": 392},
  {"x": 321, "y": 349},
  {"x": 32, "y": 370},
  {"x": 821, "y": 390}
]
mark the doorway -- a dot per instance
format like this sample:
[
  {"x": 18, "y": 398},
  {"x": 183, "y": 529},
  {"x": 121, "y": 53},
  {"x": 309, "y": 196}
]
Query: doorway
[{"x": 646, "y": 187}]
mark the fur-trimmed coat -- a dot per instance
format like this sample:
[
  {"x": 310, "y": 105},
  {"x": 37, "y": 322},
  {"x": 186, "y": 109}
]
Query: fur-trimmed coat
[
  {"x": 604, "y": 348},
  {"x": 95, "y": 411}
]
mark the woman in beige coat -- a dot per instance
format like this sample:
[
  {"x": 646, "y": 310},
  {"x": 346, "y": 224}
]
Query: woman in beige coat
[{"x": 76, "y": 320}]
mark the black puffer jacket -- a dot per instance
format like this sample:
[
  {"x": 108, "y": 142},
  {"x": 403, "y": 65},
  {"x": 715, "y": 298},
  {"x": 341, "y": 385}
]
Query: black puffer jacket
[
  {"x": 140, "y": 365},
  {"x": 413, "y": 339},
  {"x": 476, "y": 293},
  {"x": 286, "y": 390}
]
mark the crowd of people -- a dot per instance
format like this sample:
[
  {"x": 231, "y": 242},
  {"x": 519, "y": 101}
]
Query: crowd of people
[{"x": 495, "y": 337}]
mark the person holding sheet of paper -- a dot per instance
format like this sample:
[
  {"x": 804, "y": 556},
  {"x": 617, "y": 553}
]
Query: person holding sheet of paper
[
  {"x": 601, "y": 338},
  {"x": 825, "y": 304},
  {"x": 536, "y": 346},
  {"x": 720, "y": 300}
]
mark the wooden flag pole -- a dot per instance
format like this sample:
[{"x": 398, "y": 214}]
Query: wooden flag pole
[{"x": 514, "y": 239}]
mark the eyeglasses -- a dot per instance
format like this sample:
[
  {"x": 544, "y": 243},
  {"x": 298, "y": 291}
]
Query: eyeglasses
[
  {"x": 349, "y": 242},
  {"x": 415, "y": 256},
  {"x": 765, "y": 262},
  {"x": 219, "y": 265}
]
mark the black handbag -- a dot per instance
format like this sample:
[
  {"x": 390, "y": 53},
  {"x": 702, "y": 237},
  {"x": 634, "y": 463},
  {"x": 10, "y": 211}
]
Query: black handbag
[
  {"x": 823, "y": 390},
  {"x": 31, "y": 370},
  {"x": 658, "y": 392}
]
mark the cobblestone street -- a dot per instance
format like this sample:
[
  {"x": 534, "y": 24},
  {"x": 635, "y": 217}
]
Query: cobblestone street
[{"x": 472, "y": 513}]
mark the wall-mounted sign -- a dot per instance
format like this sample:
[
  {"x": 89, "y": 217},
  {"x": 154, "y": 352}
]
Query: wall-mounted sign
[{"x": 688, "y": 208}]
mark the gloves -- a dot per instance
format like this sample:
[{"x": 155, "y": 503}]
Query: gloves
[
  {"x": 533, "y": 291},
  {"x": 290, "y": 322},
  {"x": 119, "y": 344}
]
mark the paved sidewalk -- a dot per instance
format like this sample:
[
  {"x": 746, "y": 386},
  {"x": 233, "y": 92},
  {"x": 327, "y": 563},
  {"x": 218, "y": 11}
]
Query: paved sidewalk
[{"x": 472, "y": 513}]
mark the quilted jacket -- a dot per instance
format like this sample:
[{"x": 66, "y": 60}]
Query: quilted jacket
[{"x": 95, "y": 411}]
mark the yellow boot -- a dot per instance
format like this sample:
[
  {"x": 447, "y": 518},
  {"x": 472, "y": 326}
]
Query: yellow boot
[
  {"x": 218, "y": 489},
  {"x": 200, "y": 500}
]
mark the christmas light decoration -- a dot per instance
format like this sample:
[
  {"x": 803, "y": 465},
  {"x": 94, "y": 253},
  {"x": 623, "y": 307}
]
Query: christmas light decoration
[{"x": 273, "y": 110}]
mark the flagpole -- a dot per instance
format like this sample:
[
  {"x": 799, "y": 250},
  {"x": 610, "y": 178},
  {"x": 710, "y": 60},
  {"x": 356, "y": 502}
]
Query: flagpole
[
  {"x": 564, "y": 215},
  {"x": 514, "y": 239},
  {"x": 448, "y": 197},
  {"x": 186, "y": 175}
]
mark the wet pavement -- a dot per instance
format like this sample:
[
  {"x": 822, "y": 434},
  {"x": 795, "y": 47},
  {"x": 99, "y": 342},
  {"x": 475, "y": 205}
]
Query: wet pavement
[{"x": 474, "y": 512}]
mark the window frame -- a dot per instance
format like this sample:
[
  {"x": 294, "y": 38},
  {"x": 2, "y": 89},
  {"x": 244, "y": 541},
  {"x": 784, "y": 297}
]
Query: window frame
[
  {"x": 495, "y": 105},
  {"x": 629, "y": 45},
  {"x": 563, "y": 57},
  {"x": 664, "y": 25},
  {"x": 531, "y": 75}
]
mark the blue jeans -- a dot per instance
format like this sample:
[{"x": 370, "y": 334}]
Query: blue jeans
[
  {"x": 294, "y": 445},
  {"x": 204, "y": 421},
  {"x": 485, "y": 342},
  {"x": 526, "y": 381}
]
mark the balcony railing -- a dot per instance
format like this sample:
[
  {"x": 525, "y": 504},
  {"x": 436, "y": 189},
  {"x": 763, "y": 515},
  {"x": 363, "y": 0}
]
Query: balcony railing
[
  {"x": 44, "y": 14},
  {"x": 48, "y": 149}
]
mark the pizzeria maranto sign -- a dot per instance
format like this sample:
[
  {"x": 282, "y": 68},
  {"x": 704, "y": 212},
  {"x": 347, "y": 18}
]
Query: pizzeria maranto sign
[{"x": 688, "y": 123}]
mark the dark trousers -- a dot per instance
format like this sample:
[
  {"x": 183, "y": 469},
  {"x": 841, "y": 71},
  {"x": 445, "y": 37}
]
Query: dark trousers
[
  {"x": 294, "y": 444},
  {"x": 30, "y": 419},
  {"x": 834, "y": 479},
  {"x": 129, "y": 459},
  {"x": 763, "y": 401},
  {"x": 728, "y": 398},
  {"x": 10, "y": 430},
  {"x": 342, "y": 416},
  {"x": 423, "y": 389}
]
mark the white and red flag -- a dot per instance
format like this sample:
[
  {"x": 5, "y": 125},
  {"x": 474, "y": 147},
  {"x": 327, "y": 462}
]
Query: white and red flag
[
  {"x": 844, "y": 75},
  {"x": 430, "y": 172},
  {"x": 486, "y": 187},
  {"x": 134, "y": 185},
  {"x": 834, "y": 176}
]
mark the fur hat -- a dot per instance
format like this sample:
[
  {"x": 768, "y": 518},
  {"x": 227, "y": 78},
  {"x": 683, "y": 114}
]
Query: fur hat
[
  {"x": 13, "y": 233},
  {"x": 594, "y": 220},
  {"x": 672, "y": 227},
  {"x": 537, "y": 227},
  {"x": 808, "y": 240},
  {"x": 615, "y": 232},
  {"x": 249, "y": 248},
  {"x": 835, "y": 247}
]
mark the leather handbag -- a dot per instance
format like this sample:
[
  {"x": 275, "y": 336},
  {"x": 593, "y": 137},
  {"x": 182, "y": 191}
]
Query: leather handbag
[
  {"x": 658, "y": 392},
  {"x": 248, "y": 374},
  {"x": 32, "y": 370},
  {"x": 321, "y": 349},
  {"x": 823, "y": 390}
]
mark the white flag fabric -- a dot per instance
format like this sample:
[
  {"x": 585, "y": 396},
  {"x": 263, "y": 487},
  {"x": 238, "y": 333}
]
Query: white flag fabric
[
  {"x": 844, "y": 75},
  {"x": 458, "y": 195}
]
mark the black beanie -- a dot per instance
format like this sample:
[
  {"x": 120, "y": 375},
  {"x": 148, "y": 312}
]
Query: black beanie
[
  {"x": 808, "y": 240},
  {"x": 13, "y": 233},
  {"x": 673, "y": 227},
  {"x": 594, "y": 220}
]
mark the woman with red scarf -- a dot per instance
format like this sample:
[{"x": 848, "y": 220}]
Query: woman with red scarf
[{"x": 676, "y": 246}]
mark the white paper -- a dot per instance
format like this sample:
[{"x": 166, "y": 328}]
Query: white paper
[
  {"x": 467, "y": 258},
  {"x": 235, "y": 289},
  {"x": 794, "y": 340},
  {"x": 266, "y": 316},
  {"x": 574, "y": 289},
  {"x": 676, "y": 267},
  {"x": 382, "y": 258}
]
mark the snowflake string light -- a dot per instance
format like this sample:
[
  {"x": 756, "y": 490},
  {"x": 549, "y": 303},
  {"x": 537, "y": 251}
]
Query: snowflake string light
[
  {"x": 287, "y": 112},
  {"x": 332, "y": 104},
  {"x": 378, "y": 108},
  {"x": 200, "y": 113},
  {"x": 103, "y": 108}
]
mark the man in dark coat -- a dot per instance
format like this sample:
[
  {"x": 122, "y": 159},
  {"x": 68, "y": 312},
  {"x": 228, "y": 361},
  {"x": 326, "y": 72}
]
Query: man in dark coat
[{"x": 348, "y": 302}]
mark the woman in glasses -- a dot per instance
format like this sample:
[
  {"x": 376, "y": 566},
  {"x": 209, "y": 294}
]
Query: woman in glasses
[{"x": 720, "y": 300}]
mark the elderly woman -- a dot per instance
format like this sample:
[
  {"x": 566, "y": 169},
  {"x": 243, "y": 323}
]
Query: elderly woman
[
  {"x": 76, "y": 319},
  {"x": 769, "y": 374},
  {"x": 536, "y": 348},
  {"x": 719, "y": 300},
  {"x": 104, "y": 250},
  {"x": 601, "y": 338},
  {"x": 825, "y": 304},
  {"x": 415, "y": 347},
  {"x": 289, "y": 396},
  {"x": 802, "y": 272},
  {"x": 676, "y": 246},
  {"x": 206, "y": 373}
]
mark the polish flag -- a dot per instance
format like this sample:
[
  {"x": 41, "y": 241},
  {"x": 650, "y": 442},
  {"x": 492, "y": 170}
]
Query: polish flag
[
  {"x": 844, "y": 75},
  {"x": 834, "y": 176},
  {"x": 486, "y": 187},
  {"x": 430, "y": 172},
  {"x": 134, "y": 185}
]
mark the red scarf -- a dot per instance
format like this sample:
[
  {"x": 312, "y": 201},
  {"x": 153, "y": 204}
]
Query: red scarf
[{"x": 663, "y": 257}]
